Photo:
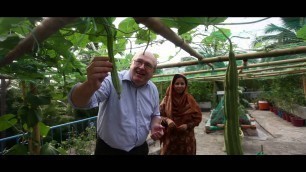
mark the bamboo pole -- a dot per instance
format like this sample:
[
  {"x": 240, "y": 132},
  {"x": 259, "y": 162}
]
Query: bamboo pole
[
  {"x": 47, "y": 27},
  {"x": 273, "y": 53},
  {"x": 304, "y": 84},
  {"x": 158, "y": 27},
  {"x": 258, "y": 75},
  {"x": 275, "y": 68},
  {"x": 240, "y": 67},
  {"x": 221, "y": 79},
  {"x": 35, "y": 136}
]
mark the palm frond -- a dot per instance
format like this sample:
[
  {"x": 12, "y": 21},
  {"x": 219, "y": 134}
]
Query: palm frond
[{"x": 292, "y": 23}]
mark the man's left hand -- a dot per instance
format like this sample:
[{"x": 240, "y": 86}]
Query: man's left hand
[{"x": 157, "y": 131}]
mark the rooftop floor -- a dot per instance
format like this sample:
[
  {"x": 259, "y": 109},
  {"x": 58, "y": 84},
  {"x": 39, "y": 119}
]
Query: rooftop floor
[{"x": 278, "y": 137}]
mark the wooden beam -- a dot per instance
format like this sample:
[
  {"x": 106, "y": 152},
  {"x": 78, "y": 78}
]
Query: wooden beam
[
  {"x": 154, "y": 24},
  {"x": 41, "y": 32}
]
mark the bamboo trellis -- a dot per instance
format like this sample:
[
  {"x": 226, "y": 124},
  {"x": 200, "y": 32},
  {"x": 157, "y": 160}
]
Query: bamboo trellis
[
  {"x": 280, "y": 62},
  {"x": 40, "y": 33},
  {"x": 273, "y": 53}
]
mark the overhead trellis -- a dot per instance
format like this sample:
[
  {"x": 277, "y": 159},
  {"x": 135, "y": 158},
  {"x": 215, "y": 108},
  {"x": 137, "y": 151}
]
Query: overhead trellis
[
  {"x": 50, "y": 26},
  {"x": 273, "y": 53},
  {"x": 160, "y": 26},
  {"x": 254, "y": 74},
  {"x": 280, "y": 62},
  {"x": 210, "y": 74}
]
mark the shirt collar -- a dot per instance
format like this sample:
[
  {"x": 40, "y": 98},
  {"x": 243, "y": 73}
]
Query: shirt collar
[{"x": 126, "y": 76}]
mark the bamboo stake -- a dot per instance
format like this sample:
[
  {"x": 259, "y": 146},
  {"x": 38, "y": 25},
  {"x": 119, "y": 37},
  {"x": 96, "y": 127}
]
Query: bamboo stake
[
  {"x": 304, "y": 84},
  {"x": 35, "y": 137},
  {"x": 47, "y": 27}
]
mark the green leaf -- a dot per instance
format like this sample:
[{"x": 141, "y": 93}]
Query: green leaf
[
  {"x": 120, "y": 46},
  {"x": 44, "y": 129},
  {"x": 212, "y": 20},
  {"x": 57, "y": 39},
  {"x": 22, "y": 113},
  {"x": 82, "y": 25},
  {"x": 127, "y": 27},
  {"x": 219, "y": 36},
  {"x": 187, "y": 37},
  {"x": 35, "y": 100},
  {"x": 29, "y": 116},
  {"x": 62, "y": 151},
  {"x": 7, "y": 121},
  {"x": 18, "y": 149},
  {"x": 302, "y": 33},
  {"x": 216, "y": 36},
  {"x": 170, "y": 22},
  {"x": 78, "y": 39},
  {"x": 48, "y": 149},
  {"x": 44, "y": 100},
  {"x": 7, "y": 23},
  {"x": 185, "y": 24},
  {"x": 143, "y": 36},
  {"x": 9, "y": 41},
  {"x": 33, "y": 117}
]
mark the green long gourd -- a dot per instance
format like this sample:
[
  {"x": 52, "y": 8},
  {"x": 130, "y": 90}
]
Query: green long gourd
[
  {"x": 110, "y": 39},
  {"x": 231, "y": 131}
]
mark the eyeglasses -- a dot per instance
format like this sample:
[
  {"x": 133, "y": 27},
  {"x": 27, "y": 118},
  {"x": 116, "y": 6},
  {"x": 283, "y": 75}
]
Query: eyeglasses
[{"x": 147, "y": 66}]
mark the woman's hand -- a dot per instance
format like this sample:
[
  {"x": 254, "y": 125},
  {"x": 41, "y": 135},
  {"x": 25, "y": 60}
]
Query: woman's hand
[
  {"x": 171, "y": 124},
  {"x": 182, "y": 127}
]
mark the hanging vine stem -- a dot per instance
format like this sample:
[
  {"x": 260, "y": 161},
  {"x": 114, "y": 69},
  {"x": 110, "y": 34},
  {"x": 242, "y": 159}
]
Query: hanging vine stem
[
  {"x": 232, "y": 130},
  {"x": 110, "y": 40},
  {"x": 147, "y": 43}
]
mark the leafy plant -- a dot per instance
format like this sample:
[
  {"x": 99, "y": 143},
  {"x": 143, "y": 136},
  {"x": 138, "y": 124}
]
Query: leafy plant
[
  {"x": 284, "y": 92},
  {"x": 80, "y": 144}
]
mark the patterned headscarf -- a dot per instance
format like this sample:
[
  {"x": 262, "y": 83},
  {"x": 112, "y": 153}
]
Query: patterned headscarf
[{"x": 176, "y": 105}]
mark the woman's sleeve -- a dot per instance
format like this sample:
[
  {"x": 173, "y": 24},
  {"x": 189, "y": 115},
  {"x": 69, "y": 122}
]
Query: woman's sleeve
[
  {"x": 162, "y": 107},
  {"x": 162, "y": 112},
  {"x": 197, "y": 116}
]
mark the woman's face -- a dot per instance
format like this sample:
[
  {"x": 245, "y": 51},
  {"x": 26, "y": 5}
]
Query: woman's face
[{"x": 179, "y": 85}]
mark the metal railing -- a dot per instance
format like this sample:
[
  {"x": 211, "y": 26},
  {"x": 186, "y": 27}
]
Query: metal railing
[{"x": 90, "y": 122}]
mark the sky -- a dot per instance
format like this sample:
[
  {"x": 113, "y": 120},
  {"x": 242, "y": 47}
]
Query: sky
[{"x": 246, "y": 30}]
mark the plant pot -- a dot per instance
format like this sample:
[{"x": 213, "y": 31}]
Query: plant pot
[
  {"x": 297, "y": 121},
  {"x": 289, "y": 117},
  {"x": 284, "y": 115},
  {"x": 263, "y": 105},
  {"x": 280, "y": 113},
  {"x": 275, "y": 110}
]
